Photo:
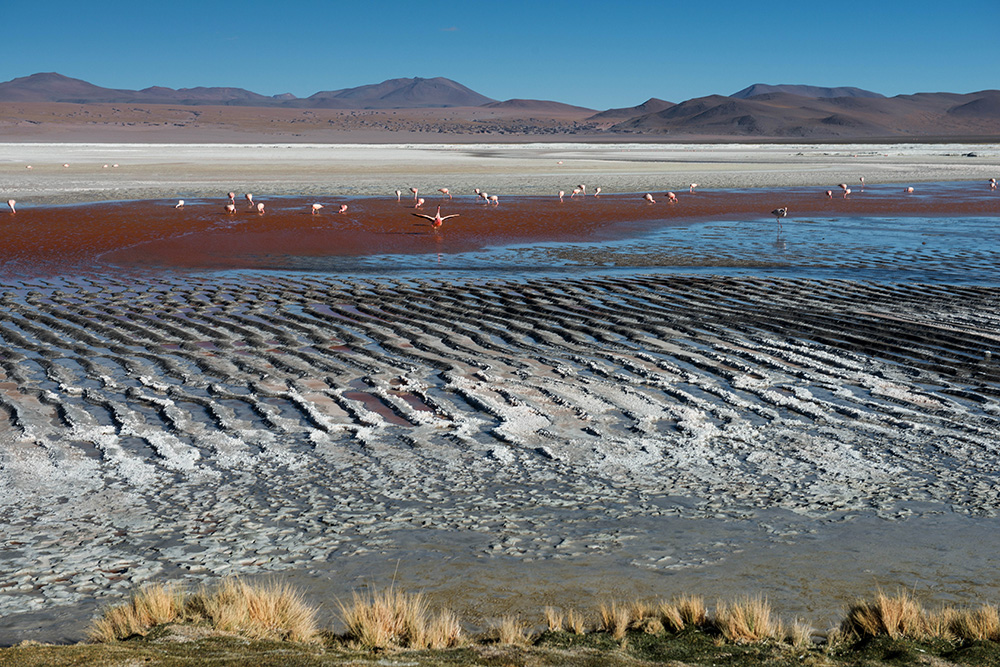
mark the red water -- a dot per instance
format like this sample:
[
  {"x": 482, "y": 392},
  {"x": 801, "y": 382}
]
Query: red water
[{"x": 41, "y": 240}]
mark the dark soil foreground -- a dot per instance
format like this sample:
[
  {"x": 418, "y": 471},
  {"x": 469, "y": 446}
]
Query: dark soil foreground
[{"x": 556, "y": 649}]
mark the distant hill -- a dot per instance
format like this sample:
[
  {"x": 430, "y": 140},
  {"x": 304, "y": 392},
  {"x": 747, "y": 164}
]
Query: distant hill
[
  {"x": 545, "y": 106},
  {"x": 783, "y": 114},
  {"x": 803, "y": 91},
  {"x": 392, "y": 94},
  {"x": 758, "y": 111},
  {"x": 652, "y": 105}
]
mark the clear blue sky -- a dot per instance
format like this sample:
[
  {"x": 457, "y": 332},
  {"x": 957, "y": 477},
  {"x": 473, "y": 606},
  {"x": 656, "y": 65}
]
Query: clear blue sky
[{"x": 594, "y": 54}]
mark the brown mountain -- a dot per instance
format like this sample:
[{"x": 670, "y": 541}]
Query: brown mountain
[
  {"x": 540, "y": 106},
  {"x": 397, "y": 94},
  {"x": 393, "y": 94},
  {"x": 803, "y": 91},
  {"x": 652, "y": 105},
  {"x": 785, "y": 115}
]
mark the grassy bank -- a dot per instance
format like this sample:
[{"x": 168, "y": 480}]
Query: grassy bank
[{"x": 236, "y": 623}]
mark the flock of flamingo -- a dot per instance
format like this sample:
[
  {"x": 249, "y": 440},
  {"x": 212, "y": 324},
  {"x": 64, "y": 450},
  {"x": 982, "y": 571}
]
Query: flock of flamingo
[{"x": 437, "y": 219}]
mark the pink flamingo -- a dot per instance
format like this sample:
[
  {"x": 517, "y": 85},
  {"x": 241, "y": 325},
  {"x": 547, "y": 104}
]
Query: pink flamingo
[
  {"x": 576, "y": 191},
  {"x": 11, "y": 202},
  {"x": 862, "y": 183},
  {"x": 842, "y": 186},
  {"x": 561, "y": 195},
  {"x": 316, "y": 208},
  {"x": 671, "y": 197},
  {"x": 399, "y": 194},
  {"x": 993, "y": 184},
  {"x": 485, "y": 197},
  {"x": 414, "y": 191},
  {"x": 908, "y": 190},
  {"x": 597, "y": 192},
  {"x": 343, "y": 208},
  {"x": 232, "y": 197},
  {"x": 445, "y": 191},
  {"x": 583, "y": 188},
  {"x": 495, "y": 200},
  {"x": 478, "y": 192},
  {"x": 249, "y": 199},
  {"x": 420, "y": 202},
  {"x": 437, "y": 218},
  {"x": 230, "y": 208},
  {"x": 29, "y": 167},
  {"x": 847, "y": 191},
  {"x": 260, "y": 208},
  {"x": 180, "y": 203},
  {"x": 648, "y": 197},
  {"x": 829, "y": 194},
  {"x": 693, "y": 186},
  {"x": 779, "y": 213}
]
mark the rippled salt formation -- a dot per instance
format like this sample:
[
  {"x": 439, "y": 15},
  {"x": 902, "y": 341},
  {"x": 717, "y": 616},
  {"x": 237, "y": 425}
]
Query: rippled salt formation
[{"x": 651, "y": 431}]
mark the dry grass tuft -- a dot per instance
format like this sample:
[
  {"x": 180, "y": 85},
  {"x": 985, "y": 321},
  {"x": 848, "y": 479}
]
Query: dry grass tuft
[
  {"x": 270, "y": 611},
  {"x": 982, "y": 624},
  {"x": 898, "y": 616},
  {"x": 615, "y": 619},
  {"x": 746, "y": 620},
  {"x": 511, "y": 631},
  {"x": 149, "y": 607},
  {"x": 683, "y": 612},
  {"x": 553, "y": 619},
  {"x": 575, "y": 623},
  {"x": 392, "y": 618},
  {"x": 800, "y": 634}
]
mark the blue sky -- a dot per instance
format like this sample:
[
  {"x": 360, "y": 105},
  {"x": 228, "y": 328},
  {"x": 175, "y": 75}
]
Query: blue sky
[{"x": 593, "y": 54}]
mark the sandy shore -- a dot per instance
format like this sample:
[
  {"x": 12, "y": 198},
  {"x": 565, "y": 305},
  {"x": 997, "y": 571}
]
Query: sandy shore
[
  {"x": 557, "y": 422},
  {"x": 148, "y": 171}
]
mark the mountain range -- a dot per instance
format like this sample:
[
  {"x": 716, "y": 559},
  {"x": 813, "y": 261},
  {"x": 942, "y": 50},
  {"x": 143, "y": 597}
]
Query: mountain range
[{"x": 758, "y": 111}]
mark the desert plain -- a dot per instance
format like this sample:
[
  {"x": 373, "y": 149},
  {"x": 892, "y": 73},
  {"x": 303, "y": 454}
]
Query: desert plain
[{"x": 541, "y": 402}]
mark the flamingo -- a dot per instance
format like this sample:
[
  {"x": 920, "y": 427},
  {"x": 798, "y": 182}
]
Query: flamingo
[
  {"x": 399, "y": 194},
  {"x": 232, "y": 197},
  {"x": 576, "y": 191},
  {"x": 648, "y": 197},
  {"x": 104, "y": 167},
  {"x": 414, "y": 191},
  {"x": 993, "y": 184},
  {"x": 66, "y": 166},
  {"x": 437, "y": 218},
  {"x": 671, "y": 197},
  {"x": 862, "y": 183},
  {"x": 28, "y": 167},
  {"x": 829, "y": 194},
  {"x": 908, "y": 190},
  {"x": 693, "y": 186},
  {"x": 230, "y": 208},
  {"x": 478, "y": 192},
  {"x": 11, "y": 202},
  {"x": 561, "y": 195},
  {"x": 495, "y": 200},
  {"x": 445, "y": 191},
  {"x": 420, "y": 202},
  {"x": 114, "y": 166},
  {"x": 583, "y": 188},
  {"x": 485, "y": 197},
  {"x": 260, "y": 208},
  {"x": 847, "y": 191},
  {"x": 249, "y": 199},
  {"x": 779, "y": 213},
  {"x": 842, "y": 186},
  {"x": 316, "y": 208},
  {"x": 597, "y": 192},
  {"x": 180, "y": 203},
  {"x": 343, "y": 208}
]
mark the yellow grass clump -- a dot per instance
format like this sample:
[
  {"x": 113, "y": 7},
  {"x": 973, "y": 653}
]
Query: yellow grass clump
[
  {"x": 683, "y": 612},
  {"x": 259, "y": 611},
  {"x": 746, "y": 620},
  {"x": 575, "y": 622},
  {"x": 392, "y": 618},
  {"x": 898, "y": 616},
  {"x": 511, "y": 631},
  {"x": 981, "y": 624},
  {"x": 147, "y": 608},
  {"x": 553, "y": 619},
  {"x": 615, "y": 619}
]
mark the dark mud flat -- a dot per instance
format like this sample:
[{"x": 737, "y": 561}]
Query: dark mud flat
[{"x": 508, "y": 442}]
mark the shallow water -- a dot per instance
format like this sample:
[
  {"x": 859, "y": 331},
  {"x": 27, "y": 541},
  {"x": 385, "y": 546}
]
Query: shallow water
[{"x": 711, "y": 406}]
